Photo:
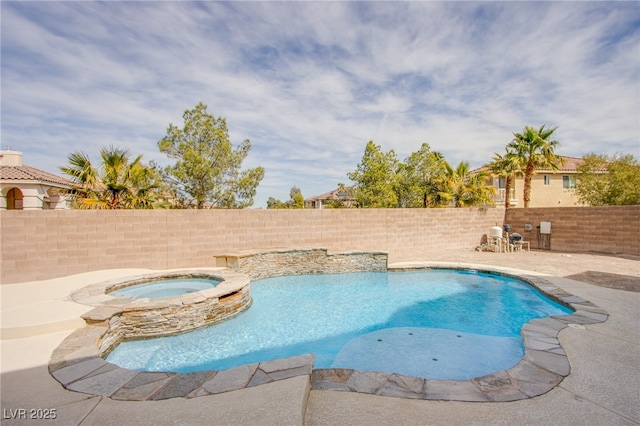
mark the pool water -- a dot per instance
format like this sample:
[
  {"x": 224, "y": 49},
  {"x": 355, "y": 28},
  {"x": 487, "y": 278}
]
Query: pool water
[
  {"x": 437, "y": 324},
  {"x": 164, "y": 288}
]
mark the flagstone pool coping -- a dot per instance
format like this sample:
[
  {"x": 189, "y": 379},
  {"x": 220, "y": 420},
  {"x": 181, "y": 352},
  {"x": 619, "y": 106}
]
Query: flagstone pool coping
[{"x": 77, "y": 363}]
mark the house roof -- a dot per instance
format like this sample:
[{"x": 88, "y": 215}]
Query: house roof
[
  {"x": 570, "y": 164},
  {"x": 336, "y": 194},
  {"x": 30, "y": 174}
]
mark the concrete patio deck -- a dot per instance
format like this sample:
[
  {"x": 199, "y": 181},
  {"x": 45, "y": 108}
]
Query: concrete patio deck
[{"x": 602, "y": 389}]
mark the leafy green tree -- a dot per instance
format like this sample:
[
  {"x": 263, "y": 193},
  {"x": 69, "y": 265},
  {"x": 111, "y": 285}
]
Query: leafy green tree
[
  {"x": 119, "y": 182},
  {"x": 272, "y": 203},
  {"x": 535, "y": 150},
  {"x": 604, "y": 180},
  {"x": 463, "y": 188},
  {"x": 296, "y": 200},
  {"x": 376, "y": 178},
  {"x": 207, "y": 166},
  {"x": 507, "y": 166},
  {"x": 419, "y": 175}
]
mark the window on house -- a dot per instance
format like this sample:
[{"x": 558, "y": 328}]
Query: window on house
[
  {"x": 502, "y": 183},
  {"x": 14, "y": 199},
  {"x": 547, "y": 180},
  {"x": 568, "y": 182}
]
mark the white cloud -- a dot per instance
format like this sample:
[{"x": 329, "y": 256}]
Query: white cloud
[{"x": 311, "y": 82}]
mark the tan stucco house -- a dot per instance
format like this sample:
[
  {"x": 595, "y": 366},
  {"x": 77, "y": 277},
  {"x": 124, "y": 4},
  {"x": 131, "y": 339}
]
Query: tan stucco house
[
  {"x": 24, "y": 187},
  {"x": 549, "y": 188}
]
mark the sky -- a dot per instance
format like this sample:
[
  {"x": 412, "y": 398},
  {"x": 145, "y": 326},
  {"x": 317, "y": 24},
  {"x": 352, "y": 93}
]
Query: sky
[{"x": 310, "y": 83}]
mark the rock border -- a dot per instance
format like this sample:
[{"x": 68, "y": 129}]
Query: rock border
[
  {"x": 258, "y": 264},
  {"x": 543, "y": 367},
  {"x": 131, "y": 318},
  {"x": 78, "y": 366}
]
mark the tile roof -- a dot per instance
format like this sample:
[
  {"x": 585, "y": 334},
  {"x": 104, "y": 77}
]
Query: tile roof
[
  {"x": 31, "y": 174},
  {"x": 570, "y": 164}
]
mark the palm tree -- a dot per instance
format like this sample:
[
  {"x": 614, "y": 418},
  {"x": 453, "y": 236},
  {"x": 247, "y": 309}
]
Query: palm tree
[
  {"x": 507, "y": 166},
  {"x": 465, "y": 188},
  {"x": 534, "y": 150},
  {"x": 118, "y": 183}
]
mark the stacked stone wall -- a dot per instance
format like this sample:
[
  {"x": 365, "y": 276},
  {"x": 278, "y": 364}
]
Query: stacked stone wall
[
  {"x": 271, "y": 263},
  {"x": 166, "y": 319},
  {"x": 139, "y": 318}
]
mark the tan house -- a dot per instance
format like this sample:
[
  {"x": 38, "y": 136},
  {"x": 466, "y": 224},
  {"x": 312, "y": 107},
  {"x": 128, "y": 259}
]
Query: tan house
[
  {"x": 549, "y": 188},
  {"x": 337, "y": 195},
  {"x": 24, "y": 187}
]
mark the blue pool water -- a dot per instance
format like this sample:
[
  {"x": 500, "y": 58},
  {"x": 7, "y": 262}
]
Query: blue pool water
[
  {"x": 164, "y": 288},
  {"x": 439, "y": 324}
]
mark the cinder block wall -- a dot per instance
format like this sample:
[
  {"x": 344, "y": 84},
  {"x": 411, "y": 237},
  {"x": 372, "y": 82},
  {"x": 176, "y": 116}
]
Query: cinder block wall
[
  {"x": 52, "y": 243},
  {"x": 612, "y": 229}
]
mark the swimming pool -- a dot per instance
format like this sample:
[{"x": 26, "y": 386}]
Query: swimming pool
[{"x": 437, "y": 324}]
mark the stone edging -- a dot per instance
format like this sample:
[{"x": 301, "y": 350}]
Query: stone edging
[
  {"x": 127, "y": 319},
  {"x": 542, "y": 368},
  {"x": 77, "y": 365}
]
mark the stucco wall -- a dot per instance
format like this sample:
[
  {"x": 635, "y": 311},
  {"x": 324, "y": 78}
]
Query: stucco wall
[
  {"x": 552, "y": 195},
  {"x": 613, "y": 229},
  {"x": 45, "y": 244}
]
